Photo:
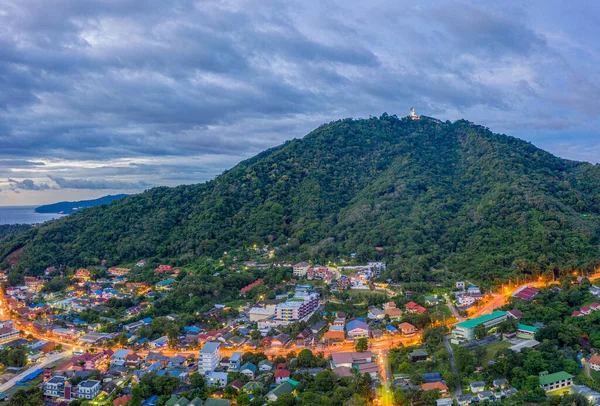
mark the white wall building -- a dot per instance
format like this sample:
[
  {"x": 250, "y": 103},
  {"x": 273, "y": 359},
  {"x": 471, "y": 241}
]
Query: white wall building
[
  {"x": 218, "y": 379},
  {"x": 209, "y": 357},
  {"x": 297, "y": 307},
  {"x": 261, "y": 313},
  {"x": 300, "y": 269}
]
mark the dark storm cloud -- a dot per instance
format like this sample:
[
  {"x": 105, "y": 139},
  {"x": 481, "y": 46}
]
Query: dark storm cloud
[
  {"x": 97, "y": 184},
  {"x": 27, "y": 184},
  {"x": 213, "y": 82}
]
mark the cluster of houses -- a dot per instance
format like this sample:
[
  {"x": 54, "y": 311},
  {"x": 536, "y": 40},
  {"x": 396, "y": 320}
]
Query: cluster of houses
[
  {"x": 300, "y": 307},
  {"x": 467, "y": 296},
  {"x": 103, "y": 371},
  {"x": 359, "y": 277},
  {"x": 57, "y": 313},
  {"x": 585, "y": 310}
]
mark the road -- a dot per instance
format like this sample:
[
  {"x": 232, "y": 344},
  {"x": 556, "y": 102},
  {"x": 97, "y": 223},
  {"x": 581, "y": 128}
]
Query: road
[
  {"x": 386, "y": 395},
  {"x": 453, "y": 366},
  {"x": 51, "y": 359},
  {"x": 452, "y": 307}
]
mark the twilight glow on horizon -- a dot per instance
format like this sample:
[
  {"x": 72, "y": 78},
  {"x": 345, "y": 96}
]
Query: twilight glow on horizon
[{"x": 116, "y": 96}]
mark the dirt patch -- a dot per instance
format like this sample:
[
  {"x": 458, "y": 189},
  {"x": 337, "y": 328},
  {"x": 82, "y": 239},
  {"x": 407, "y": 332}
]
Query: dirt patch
[{"x": 13, "y": 257}]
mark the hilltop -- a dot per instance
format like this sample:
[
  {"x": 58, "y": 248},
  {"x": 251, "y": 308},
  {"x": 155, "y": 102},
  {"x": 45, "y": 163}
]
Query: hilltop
[
  {"x": 432, "y": 195},
  {"x": 72, "y": 207}
]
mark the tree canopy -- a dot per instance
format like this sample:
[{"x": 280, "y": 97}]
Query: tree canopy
[{"x": 432, "y": 196}]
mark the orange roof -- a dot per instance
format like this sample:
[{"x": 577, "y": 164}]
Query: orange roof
[
  {"x": 122, "y": 400},
  {"x": 393, "y": 312},
  {"x": 406, "y": 326},
  {"x": 595, "y": 360},
  {"x": 434, "y": 385},
  {"x": 334, "y": 335}
]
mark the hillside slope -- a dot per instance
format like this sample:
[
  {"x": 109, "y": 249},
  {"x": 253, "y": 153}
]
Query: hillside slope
[
  {"x": 72, "y": 207},
  {"x": 450, "y": 196}
]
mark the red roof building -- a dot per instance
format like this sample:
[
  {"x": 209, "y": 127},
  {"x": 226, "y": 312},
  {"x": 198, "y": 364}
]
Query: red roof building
[
  {"x": 282, "y": 375},
  {"x": 120, "y": 401},
  {"x": 527, "y": 293},
  {"x": 83, "y": 274},
  {"x": 412, "y": 307},
  {"x": 435, "y": 385},
  {"x": 254, "y": 284}
]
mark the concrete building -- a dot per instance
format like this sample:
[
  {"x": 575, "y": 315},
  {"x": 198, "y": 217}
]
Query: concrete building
[
  {"x": 235, "y": 361},
  {"x": 119, "y": 357},
  {"x": 557, "y": 380},
  {"x": 261, "y": 313},
  {"x": 217, "y": 379},
  {"x": 209, "y": 357},
  {"x": 88, "y": 389},
  {"x": 466, "y": 330},
  {"x": 8, "y": 332},
  {"x": 526, "y": 332},
  {"x": 300, "y": 269},
  {"x": 55, "y": 387},
  {"x": 357, "y": 329},
  {"x": 297, "y": 307}
]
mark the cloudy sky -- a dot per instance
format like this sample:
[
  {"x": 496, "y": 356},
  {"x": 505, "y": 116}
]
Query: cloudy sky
[{"x": 100, "y": 97}]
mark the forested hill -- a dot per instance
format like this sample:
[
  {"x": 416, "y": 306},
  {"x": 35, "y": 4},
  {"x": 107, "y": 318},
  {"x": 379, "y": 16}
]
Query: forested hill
[
  {"x": 12, "y": 230},
  {"x": 71, "y": 207},
  {"x": 433, "y": 195}
]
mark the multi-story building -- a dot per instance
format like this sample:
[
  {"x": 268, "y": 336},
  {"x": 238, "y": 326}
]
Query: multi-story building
[
  {"x": 55, "y": 387},
  {"x": 209, "y": 357},
  {"x": 119, "y": 357},
  {"x": 88, "y": 389},
  {"x": 466, "y": 330},
  {"x": 34, "y": 283},
  {"x": 557, "y": 380},
  {"x": 235, "y": 361},
  {"x": 8, "y": 332},
  {"x": 297, "y": 307},
  {"x": 300, "y": 269},
  {"x": 113, "y": 270},
  {"x": 217, "y": 379}
]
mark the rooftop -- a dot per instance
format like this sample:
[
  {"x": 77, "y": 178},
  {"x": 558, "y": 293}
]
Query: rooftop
[
  {"x": 89, "y": 383},
  {"x": 210, "y": 347},
  {"x": 472, "y": 323},
  {"x": 529, "y": 329},
  {"x": 546, "y": 379}
]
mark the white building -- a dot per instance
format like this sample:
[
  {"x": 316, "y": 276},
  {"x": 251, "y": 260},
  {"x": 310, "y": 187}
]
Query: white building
[
  {"x": 300, "y": 269},
  {"x": 297, "y": 307},
  {"x": 118, "y": 358},
  {"x": 218, "y": 379},
  {"x": 261, "y": 313},
  {"x": 209, "y": 357},
  {"x": 8, "y": 332},
  {"x": 88, "y": 389},
  {"x": 465, "y": 330},
  {"x": 55, "y": 387},
  {"x": 235, "y": 361}
]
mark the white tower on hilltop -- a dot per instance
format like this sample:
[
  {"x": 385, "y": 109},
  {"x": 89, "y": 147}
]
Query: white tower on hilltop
[{"x": 413, "y": 115}]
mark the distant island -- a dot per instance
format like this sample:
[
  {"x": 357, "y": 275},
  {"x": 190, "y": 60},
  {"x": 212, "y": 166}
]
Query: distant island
[{"x": 71, "y": 207}]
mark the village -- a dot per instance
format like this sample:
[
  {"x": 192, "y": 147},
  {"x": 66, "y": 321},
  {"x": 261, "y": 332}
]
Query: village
[{"x": 258, "y": 349}]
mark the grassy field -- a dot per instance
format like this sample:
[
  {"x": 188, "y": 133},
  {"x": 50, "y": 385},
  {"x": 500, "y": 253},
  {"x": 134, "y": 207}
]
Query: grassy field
[
  {"x": 492, "y": 349},
  {"x": 352, "y": 292}
]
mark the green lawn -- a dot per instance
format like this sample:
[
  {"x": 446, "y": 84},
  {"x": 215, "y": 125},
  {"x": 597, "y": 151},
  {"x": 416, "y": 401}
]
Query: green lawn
[
  {"x": 492, "y": 349},
  {"x": 352, "y": 292},
  {"x": 558, "y": 392}
]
